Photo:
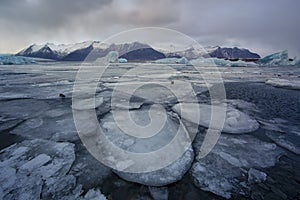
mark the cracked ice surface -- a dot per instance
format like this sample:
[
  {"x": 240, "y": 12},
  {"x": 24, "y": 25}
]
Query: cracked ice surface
[
  {"x": 40, "y": 169},
  {"x": 31, "y": 107},
  {"x": 222, "y": 171},
  {"x": 33, "y": 162}
]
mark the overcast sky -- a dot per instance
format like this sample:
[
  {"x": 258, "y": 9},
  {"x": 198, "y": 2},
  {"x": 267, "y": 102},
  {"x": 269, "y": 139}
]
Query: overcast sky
[{"x": 263, "y": 26}]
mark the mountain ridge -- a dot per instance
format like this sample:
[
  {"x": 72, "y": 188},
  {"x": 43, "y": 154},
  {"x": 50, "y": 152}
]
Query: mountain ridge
[{"x": 131, "y": 51}]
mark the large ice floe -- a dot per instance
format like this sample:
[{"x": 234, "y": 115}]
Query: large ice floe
[
  {"x": 169, "y": 174},
  {"x": 236, "y": 122},
  {"x": 234, "y": 164},
  {"x": 220, "y": 63},
  {"x": 284, "y": 83},
  {"x": 15, "y": 60},
  {"x": 182, "y": 60},
  {"x": 40, "y": 169},
  {"x": 38, "y": 121}
]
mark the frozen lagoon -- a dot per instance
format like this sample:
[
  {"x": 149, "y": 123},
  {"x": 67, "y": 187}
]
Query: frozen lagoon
[{"x": 34, "y": 116}]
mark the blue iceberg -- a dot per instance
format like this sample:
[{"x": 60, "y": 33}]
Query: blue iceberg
[
  {"x": 276, "y": 59},
  {"x": 296, "y": 61},
  {"x": 15, "y": 60},
  {"x": 122, "y": 60}
]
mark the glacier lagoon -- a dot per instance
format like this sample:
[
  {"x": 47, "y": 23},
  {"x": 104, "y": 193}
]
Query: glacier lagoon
[{"x": 256, "y": 156}]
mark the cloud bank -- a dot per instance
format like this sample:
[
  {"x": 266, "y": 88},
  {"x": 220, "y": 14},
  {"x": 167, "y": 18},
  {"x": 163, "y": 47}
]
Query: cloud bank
[{"x": 263, "y": 26}]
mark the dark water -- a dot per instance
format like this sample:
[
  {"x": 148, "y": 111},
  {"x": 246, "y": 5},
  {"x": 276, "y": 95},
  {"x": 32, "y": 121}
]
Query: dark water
[
  {"x": 272, "y": 102},
  {"x": 283, "y": 180}
]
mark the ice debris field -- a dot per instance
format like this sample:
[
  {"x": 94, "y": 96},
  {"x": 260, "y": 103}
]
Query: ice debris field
[{"x": 257, "y": 153}]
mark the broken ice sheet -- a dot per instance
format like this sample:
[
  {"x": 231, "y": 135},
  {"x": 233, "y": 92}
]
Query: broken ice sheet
[
  {"x": 236, "y": 122},
  {"x": 221, "y": 171}
]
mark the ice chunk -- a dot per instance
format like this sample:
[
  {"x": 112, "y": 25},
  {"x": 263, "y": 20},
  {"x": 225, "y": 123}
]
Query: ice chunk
[
  {"x": 182, "y": 60},
  {"x": 276, "y": 59},
  {"x": 240, "y": 63},
  {"x": 159, "y": 193},
  {"x": 236, "y": 122},
  {"x": 220, "y": 170},
  {"x": 93, "y": 194},
  {"x": 285, "y": 83},
  {"x": 296, "y": 61},
  {"x": 206, "y": 62},
  {"x": 122, "y": 60},
  {"x": 165, "y": 176},
  {"x": 163, "y": 137},
  {"x": 35, "y": 163},
  {"x": 256, "y": 176},
  {"x": 30, "y": 163}
]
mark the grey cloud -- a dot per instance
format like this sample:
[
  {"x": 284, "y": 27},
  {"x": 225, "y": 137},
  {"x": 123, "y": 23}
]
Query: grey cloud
[
  {"x": 263, "y": 26},
  {"x": 46, "y": 12},
  {"x": 272, "y": 24}
]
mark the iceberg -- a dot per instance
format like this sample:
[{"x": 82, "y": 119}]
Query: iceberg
[
  {"x": 276, "y": 59},
  {"x": 122, "y": 60},
  {"x": 296, "y": 61},
  {"x": 221, "y": 63},
  {"x": 182, "y": 60},
  {"x": 15, "y": 60}
]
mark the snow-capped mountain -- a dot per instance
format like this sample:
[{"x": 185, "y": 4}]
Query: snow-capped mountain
[
  {"x": 52, "y": 51},
  {"x": 216, "y": 52},
  {"x": 130, "y": 51},
  {"x": 192, "y": 52},
  {"x": 233, "y": 53},
  {"x": 79, "y": 51}
]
